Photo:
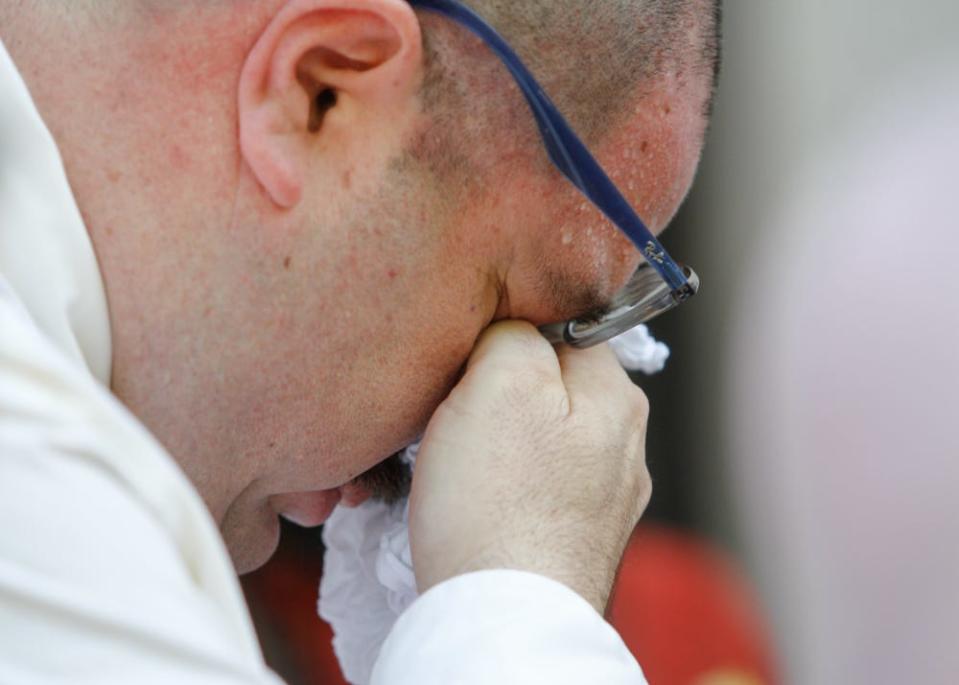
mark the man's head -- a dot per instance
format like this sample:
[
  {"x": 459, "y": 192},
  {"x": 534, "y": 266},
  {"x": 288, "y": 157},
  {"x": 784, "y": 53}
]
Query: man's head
[{"x": 306, "y": 211}]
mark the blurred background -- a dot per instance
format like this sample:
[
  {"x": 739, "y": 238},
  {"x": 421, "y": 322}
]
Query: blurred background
[{"x": 804, "y": 526}]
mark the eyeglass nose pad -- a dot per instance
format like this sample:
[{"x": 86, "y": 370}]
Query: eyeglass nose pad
[{"x": 645, "y": 297}]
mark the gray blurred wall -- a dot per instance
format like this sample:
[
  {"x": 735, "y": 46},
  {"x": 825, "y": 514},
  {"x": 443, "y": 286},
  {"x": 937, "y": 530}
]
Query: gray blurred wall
[{"x": 798, "y": 78}]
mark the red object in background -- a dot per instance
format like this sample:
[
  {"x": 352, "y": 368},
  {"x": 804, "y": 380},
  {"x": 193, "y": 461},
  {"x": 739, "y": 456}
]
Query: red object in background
[
  {"x": 282, "y": 596},
  {"x": 680, "y": 606},
  {"x": 687, "y": 615}
]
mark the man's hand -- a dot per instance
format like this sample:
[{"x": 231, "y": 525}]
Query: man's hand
[{"x": 535, "y": 462}]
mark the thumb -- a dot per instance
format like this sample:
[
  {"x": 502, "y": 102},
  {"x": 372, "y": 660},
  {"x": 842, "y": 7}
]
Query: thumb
[{"x": 514, "y": 344}]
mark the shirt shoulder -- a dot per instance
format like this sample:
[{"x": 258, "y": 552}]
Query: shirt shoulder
[{"x": 108, "y": 563}]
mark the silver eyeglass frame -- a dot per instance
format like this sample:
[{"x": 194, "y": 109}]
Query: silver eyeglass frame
[{"x": 645, "y": 297}]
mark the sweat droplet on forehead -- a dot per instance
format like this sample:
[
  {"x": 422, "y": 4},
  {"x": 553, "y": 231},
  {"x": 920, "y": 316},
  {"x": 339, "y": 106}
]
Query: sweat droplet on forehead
[{"x": 591, "y": 257}]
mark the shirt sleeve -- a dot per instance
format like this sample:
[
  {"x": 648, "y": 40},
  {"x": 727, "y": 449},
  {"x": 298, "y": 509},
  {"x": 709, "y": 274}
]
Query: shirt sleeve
[{"x": 503, "y": 626}]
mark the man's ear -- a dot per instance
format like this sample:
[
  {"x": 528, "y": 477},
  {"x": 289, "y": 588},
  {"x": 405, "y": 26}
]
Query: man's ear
[{"x": 314, "y": 59}]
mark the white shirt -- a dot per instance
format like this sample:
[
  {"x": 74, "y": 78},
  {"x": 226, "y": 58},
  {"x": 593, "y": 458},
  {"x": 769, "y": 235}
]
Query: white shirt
[{"x": 111, "y": 568}]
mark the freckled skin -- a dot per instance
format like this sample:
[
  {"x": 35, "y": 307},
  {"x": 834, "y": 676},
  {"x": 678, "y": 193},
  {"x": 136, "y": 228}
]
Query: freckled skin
[{"x": 276, "y": 351}]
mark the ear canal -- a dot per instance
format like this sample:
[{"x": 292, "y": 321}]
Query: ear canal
[
  {"x": 313, "y": 56},
  {"x": 322, "y": 103}
]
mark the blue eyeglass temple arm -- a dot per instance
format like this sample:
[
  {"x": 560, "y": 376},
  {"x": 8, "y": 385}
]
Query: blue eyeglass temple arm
[{"x": 566, "y": 150}]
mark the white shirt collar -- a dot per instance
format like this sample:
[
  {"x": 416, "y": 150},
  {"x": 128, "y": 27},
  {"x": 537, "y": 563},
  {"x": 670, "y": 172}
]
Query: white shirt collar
[{"x": 45, "y": 251}]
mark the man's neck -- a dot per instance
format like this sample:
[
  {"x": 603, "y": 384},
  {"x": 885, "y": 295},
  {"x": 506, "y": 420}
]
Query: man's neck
[
  {"x": 145, "y": 141},
  {"x": 146, "y": 144}
]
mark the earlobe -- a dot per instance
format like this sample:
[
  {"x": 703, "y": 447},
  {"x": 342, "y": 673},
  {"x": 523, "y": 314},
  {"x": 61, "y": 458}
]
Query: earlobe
[{"x": 313, "y": 56}]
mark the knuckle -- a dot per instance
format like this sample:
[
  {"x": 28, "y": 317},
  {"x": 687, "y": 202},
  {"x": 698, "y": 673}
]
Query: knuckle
[
  {"x": 644, "y": 490},
  {"x": 641, "y": 493},
  {"x": 640, "y": 484},
  {"x": 639, "y": 402}
]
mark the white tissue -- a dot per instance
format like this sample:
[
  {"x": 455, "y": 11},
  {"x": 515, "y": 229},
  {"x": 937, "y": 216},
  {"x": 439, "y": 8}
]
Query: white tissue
[
  {"x": 637, "y": 350},
  {"x": 368, "y": 578}
]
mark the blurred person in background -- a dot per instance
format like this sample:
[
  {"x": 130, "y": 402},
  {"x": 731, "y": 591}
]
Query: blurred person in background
[
  {"x": 843, "y": 366},
  {"x": 247, "y": 248}
]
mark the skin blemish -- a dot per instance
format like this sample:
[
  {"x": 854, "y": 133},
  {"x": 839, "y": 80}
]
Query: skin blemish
[
  {"x": 644, "y": 146},
  {"x": 347, "y": 179},
  {"x": 392, "y": 273},
  {"x": 287, "y": 262},
  {"x": 179, "y": 158}
]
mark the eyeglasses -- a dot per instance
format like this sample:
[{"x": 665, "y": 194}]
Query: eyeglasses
[{"x": 659, "y": 284}]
